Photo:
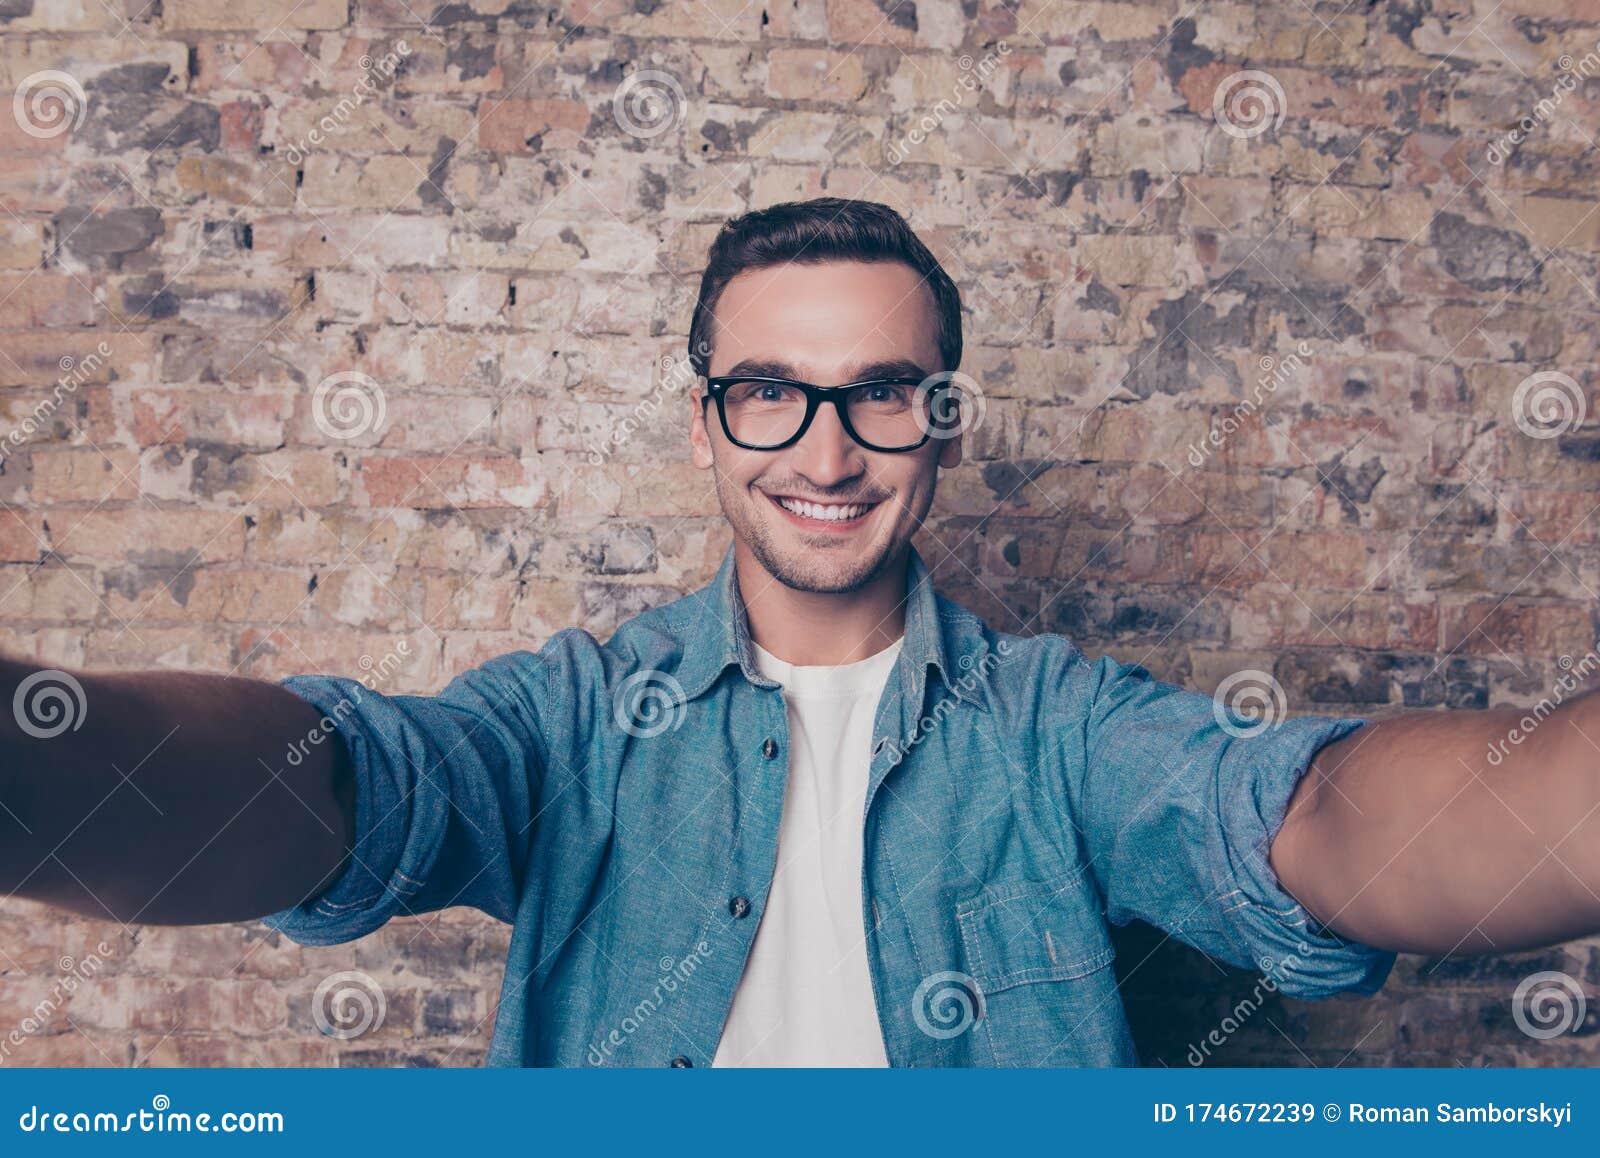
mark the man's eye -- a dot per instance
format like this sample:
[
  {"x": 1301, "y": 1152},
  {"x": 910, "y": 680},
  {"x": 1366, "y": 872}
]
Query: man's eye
[
  {"x": 761, "y": 393},
  {"x": 883, "y": 395}
]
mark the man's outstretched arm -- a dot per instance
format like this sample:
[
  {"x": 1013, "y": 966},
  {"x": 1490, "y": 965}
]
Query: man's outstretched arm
[
  {"x": 1436, "y": 833},
  {"x": 174, "y": 801}
]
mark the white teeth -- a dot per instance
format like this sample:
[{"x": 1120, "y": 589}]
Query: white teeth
[{"x": 830, "y": 514}]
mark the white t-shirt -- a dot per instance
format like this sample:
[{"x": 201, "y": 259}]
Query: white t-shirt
[{"x": 806, "y": 996}]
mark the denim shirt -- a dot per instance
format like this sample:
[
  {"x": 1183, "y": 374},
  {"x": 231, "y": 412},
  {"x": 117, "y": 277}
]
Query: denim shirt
[{"x": 618, "y": 803}]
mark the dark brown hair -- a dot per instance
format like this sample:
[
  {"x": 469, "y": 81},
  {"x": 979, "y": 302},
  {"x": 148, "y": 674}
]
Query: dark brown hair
[{"x": 809, "y": 232}]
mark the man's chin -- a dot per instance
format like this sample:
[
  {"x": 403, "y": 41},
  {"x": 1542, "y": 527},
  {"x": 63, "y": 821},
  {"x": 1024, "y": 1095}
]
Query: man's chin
[{"x": 831, "y": 569}]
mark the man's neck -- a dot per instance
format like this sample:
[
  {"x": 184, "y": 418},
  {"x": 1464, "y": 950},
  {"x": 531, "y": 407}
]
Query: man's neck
[{"x": 808, "y": 628}]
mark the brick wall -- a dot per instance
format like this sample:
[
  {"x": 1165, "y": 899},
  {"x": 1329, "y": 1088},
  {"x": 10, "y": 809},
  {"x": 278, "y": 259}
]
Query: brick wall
[{"x": 332, "y": 340}]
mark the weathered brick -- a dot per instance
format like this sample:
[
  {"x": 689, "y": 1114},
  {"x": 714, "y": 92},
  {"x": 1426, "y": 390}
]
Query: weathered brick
[
  {"x": 252, "y": 421},
  {"x": 812, "y": 74},
  {"x": 257, "y": 14},
  {"x": 21, "y": 244},
  {"x": 530, "y": 126},
  {"x": 113, "y": 534},
  {"x": 424, "y": 482},
  {"x": 86, "y": 474},
  {"x": 1072, "y": 20},
  {"x": 1495, "y": 626}
]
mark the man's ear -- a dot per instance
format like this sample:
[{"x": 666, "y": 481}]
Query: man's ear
[
  {"x": 950, "y": 452},
  {"x": 699, "y": 437}
]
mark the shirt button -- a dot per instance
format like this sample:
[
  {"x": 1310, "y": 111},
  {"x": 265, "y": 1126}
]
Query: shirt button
[
  {"x": 682, "y": 1063},
  {"x": 739, "y": 906},
  {"x": 769, "y": 747}
]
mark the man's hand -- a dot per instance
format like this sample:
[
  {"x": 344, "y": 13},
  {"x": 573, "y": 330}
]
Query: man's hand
[
  {"x": 1455, "y": 832},
  {"x": 173, "y": 802}
]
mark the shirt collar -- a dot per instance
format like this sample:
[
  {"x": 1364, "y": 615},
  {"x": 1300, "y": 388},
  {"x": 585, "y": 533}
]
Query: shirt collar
[{"x": 716, "y": 634}]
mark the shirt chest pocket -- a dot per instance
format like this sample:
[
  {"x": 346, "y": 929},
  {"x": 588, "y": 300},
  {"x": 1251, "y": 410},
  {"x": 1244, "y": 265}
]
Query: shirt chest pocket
[{"x": 1041, "y": 955}]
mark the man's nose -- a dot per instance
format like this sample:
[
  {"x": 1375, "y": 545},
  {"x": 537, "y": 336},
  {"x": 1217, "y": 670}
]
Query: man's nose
[{"x": 826, "y": 455}]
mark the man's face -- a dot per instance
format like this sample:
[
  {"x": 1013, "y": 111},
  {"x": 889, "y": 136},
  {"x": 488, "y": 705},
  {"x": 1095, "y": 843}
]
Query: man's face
[{"x": 827, "y": 324}]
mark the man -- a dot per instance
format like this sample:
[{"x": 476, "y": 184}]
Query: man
[{"x": 813, "y": 813}]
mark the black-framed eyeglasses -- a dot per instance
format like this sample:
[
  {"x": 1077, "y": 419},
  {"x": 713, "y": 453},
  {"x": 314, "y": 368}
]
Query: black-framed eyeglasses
[{"x": 890, "y": 415}]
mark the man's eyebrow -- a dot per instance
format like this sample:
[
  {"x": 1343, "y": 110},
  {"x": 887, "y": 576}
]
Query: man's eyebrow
[
  {"x": 883, "y": 368},
  {"x": 762, "y": 368}
]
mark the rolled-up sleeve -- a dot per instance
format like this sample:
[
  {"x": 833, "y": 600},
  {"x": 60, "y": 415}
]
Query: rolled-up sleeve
[
  {"x": 443, "y": 791},
  {"x": 1180, "y": 812}
]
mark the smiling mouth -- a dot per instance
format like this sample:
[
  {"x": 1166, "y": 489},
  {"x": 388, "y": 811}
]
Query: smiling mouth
[{"x": 827, "y": 514}]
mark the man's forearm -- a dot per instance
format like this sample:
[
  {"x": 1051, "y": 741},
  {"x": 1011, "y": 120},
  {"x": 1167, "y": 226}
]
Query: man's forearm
[
  {"x": 1432, "y": 832},
  {"x": 172, "y": 802}
]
